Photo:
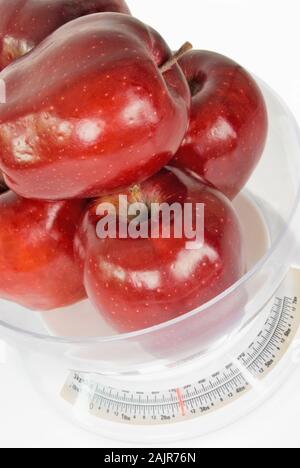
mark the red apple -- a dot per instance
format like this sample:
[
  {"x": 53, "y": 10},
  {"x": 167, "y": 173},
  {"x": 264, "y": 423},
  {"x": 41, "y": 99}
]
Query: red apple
[
  {"x": 25, "y": 23},
  {"x": 93, "y": 108},
  {"x": 228, "y": 124},
  {"x": 138, "y": 283},
  {"x": 37, "y": 267}
]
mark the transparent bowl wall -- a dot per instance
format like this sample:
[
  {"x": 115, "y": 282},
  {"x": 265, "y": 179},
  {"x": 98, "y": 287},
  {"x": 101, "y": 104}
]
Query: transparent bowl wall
[{"x": 274, "y": 189}]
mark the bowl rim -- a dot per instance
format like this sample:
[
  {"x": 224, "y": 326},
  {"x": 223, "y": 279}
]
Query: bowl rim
[{"x": 154, "y": 329}]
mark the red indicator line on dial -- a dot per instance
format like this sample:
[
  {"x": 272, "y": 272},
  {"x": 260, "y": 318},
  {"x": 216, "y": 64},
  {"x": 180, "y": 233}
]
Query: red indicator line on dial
[{"x": 180, "y": 401}]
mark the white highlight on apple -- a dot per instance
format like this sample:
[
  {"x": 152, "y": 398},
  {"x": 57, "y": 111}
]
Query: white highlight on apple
[
  {"x": 2, "y": 92},
  {"x": 139, "y": 220},
  {"x": 88, "y": 131}
]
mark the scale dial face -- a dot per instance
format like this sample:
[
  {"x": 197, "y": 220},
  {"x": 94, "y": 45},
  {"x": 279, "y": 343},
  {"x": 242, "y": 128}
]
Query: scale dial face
[{"x": 209, "y": 393}]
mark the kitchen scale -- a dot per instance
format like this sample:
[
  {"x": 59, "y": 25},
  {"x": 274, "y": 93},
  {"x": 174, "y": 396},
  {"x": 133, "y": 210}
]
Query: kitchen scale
[{"x": 201, "y": 371}]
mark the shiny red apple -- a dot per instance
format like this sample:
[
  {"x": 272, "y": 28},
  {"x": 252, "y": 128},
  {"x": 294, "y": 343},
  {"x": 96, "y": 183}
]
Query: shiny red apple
[
  {"x": 37, "y": 267},
  {"x": 93, "y": 108},
  {"x": 228, "y": 124},
  {"x": 25, "y": 23},
  {"x": 138, "y": 283}
]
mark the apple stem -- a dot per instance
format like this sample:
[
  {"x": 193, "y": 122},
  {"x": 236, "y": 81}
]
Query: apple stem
[
  {"x": 187, "y": 46},
  {"x": 135, "y": 192}
]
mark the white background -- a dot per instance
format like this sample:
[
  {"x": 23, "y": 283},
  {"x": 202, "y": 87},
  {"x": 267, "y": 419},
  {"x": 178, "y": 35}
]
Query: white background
[{"x": 264, "y": 36}]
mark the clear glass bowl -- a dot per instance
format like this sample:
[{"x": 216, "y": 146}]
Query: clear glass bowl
[{"x": 76, "y": 338}]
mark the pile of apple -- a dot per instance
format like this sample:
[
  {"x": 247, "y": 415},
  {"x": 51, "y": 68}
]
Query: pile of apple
[{"x": 98, "y": 105}]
